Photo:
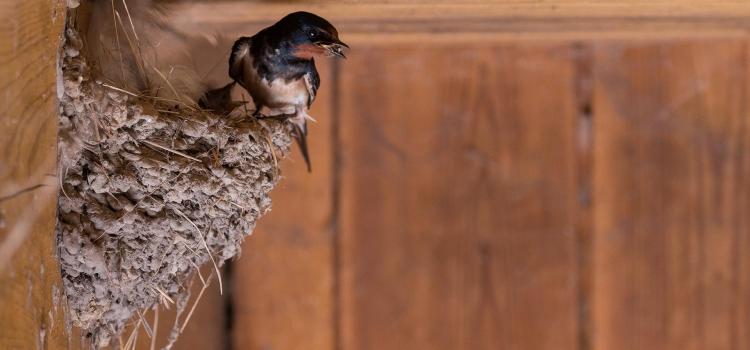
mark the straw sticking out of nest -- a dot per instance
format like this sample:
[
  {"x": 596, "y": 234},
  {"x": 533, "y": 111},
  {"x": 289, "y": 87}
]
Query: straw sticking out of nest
[{"x": 150, "y": 190}]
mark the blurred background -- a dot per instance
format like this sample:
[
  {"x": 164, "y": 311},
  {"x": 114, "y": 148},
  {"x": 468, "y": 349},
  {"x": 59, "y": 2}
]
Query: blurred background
[
  {"x": 501, "y": 174},
  {"x": 505, "y": 175}
]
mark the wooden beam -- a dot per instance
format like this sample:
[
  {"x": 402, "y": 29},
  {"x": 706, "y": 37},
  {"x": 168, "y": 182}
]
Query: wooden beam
[
  {"x": 546, "y": 18},
  {"x": 34, "y": 311}
]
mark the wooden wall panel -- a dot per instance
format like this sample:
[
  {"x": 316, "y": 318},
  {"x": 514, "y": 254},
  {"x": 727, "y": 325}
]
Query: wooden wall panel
[
  {"x": 457, "y": 195},
  {"x": 672, "y": 195},
  {"x": 32, "y": 306},
  {"x": 282, "y": 287},
  {"x": 446, "y": 215}
]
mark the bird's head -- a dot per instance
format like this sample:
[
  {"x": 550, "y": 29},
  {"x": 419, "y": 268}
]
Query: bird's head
[{"x": 310, "y": 35}]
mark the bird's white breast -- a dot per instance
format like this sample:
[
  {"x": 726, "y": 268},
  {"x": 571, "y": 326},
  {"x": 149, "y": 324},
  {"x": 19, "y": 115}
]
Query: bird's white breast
[
  {"x": 286, "y": 93},
  {"x": 278, "y": 93}
]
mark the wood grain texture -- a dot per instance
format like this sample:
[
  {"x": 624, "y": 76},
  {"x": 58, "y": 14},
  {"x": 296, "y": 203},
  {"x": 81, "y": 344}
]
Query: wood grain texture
[
  {"x": 457, "y": 195},
  {"x": 671, "y": 195},
  {"x": 510, "y": 19},
  {"x": 33, "y": 312},
  {"x": 282, "y": 287}
]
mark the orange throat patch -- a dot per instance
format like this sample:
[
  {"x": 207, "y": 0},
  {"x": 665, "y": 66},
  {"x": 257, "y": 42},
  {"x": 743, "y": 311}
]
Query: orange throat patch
[{"x": 308, "y": 51}]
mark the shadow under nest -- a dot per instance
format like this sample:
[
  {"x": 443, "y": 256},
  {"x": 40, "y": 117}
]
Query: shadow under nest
[{"x": 151, "y": 189}]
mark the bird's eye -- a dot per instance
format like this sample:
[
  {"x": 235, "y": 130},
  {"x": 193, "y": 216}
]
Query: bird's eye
[{"x": 312, "y": 34}]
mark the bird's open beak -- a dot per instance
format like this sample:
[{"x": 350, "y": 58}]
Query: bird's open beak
[{"x": 334, "y": 47}]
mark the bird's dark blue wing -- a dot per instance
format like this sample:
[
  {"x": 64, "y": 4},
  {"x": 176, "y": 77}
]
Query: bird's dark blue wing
[
  {"x": 240, "y": 48},
  {"x": 314, "y": 83}
]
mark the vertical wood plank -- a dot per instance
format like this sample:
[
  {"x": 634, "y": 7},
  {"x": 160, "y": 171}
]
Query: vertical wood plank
[
  {"x": 33, "y": 312},
  {"x": 282, "y": 294},
  {"x": 740, "y": 221},
  {"x": 671, "y": 195},
  {"x": 457, "y": 199},
  {"x": 206, "y": 329}
]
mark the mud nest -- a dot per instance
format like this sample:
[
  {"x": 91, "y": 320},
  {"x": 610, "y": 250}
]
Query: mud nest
[{"x": 151, "y": 189}]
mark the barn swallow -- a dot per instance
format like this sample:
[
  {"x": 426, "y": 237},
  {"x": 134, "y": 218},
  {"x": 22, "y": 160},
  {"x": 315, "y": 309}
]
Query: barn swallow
[{"x": 277, "y": 68}]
